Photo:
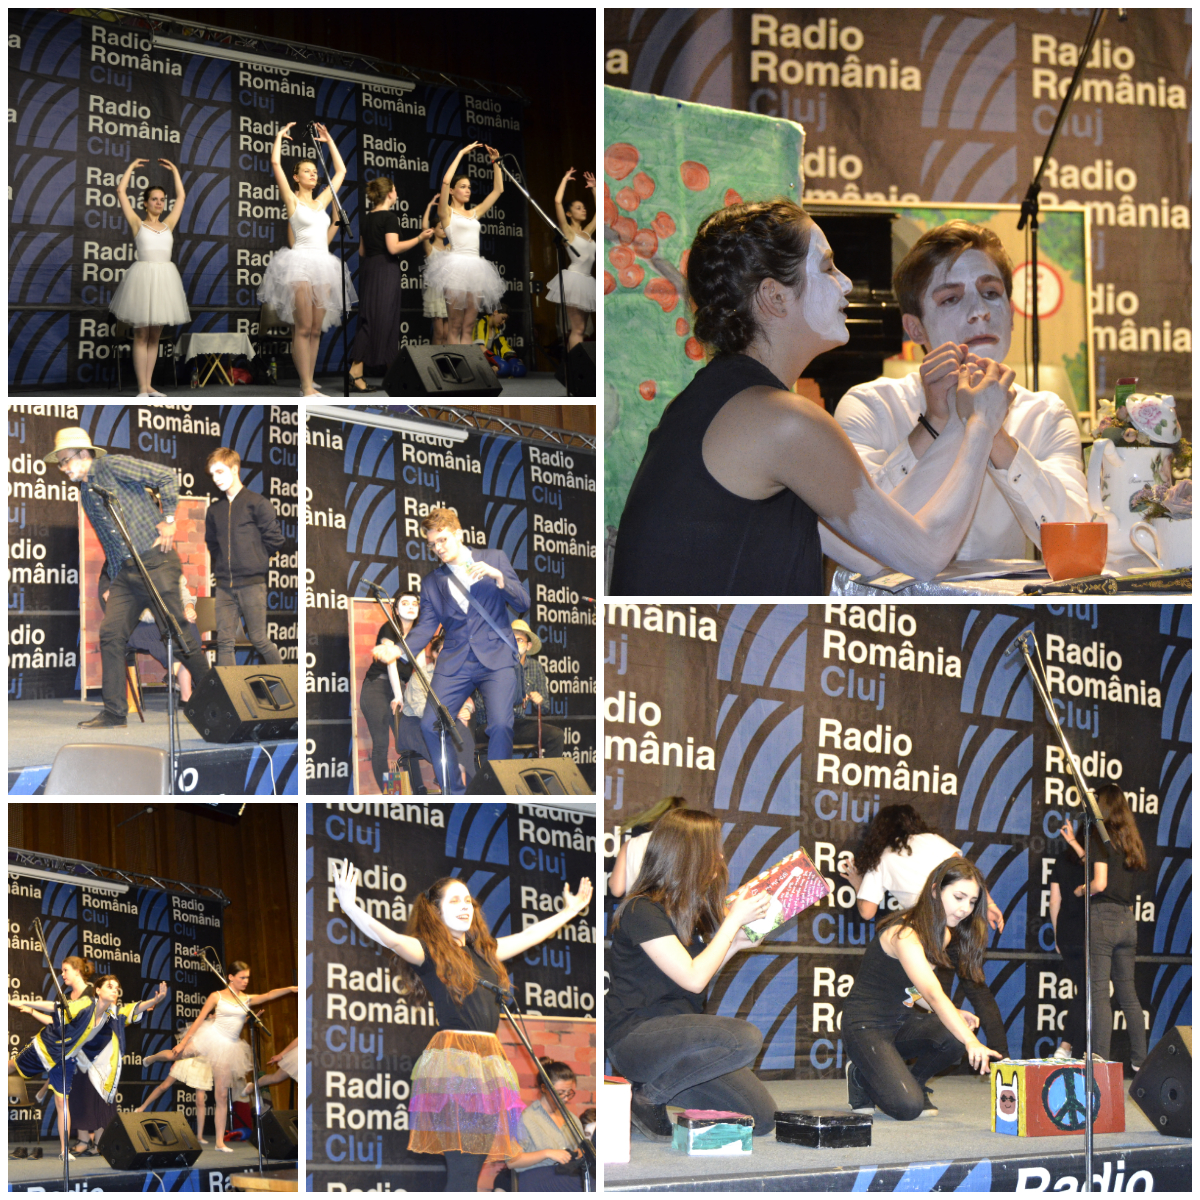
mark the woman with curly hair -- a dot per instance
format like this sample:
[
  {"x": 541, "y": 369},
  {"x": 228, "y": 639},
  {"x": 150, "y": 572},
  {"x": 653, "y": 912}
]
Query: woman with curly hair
[
  {"x": 897, "y": 1009},
  {"x": 740, "y": 470},
  {"x": 465, "y": 1100},
  {"x": 898, "y": 854},
  {"x": 670, "y": 938}
]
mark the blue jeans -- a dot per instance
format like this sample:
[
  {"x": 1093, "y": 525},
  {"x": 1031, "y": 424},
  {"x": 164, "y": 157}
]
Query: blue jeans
[
  {"x": 697, "y": 1061},
  {"x": 1113, "y": 945},
  {"x": 879, "y": 1058}
]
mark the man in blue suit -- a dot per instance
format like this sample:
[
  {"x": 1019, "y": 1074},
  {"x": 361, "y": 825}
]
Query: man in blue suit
[{"x": 479, "y": 648}]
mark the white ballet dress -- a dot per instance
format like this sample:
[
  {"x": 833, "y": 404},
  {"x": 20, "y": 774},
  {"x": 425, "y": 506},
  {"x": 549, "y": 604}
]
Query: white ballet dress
[
  {"x": 577, "y": 278},
  {"x": 288, "y": 1062},
  {"x": 309, "y": 261},
  {"x": 460, "y": 272},
  {"x": 151, "y": 291},
  {"x": 219, "y": 1040}
]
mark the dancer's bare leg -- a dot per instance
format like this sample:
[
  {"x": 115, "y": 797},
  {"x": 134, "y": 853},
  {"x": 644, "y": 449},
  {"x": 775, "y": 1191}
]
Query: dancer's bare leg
[
  {"x": 201, "y": 1101},
  {"x": 220, "y": 1104},
  {"x": 143, "y": 364},
  {"x": 165, "y": 1086},
  {"x": 153, "y": 333},
  {"x": 439, "y": 331},
  {"x": 578, "y": 323},
  {"x": 302, "y": 316},
  {"x": 314, "y": 340},
  {"x": 64, "y": 1120}
]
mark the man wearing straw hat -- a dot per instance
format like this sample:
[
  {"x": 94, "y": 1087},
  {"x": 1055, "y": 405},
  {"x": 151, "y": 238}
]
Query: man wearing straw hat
[{"x": 126, "y": 479}]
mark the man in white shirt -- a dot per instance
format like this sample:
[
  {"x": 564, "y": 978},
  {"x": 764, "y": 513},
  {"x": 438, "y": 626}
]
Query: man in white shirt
[{"x": 955, "y": 289}]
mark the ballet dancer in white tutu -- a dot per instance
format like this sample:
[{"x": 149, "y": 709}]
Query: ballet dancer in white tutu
[
  {"x": 303, "y": 283},
  {"x": 287, "y": 1066},
  {"x": 150, "y": 294},
  {"x": 220, "y": 1040},
  {"x": 192, "y": 1070},
  {"x": 577, "y": 279},
  {"x": 468, "y": 282}
]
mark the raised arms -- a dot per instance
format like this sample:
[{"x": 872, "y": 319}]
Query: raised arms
[
  {"x": 344, "y": 885},
  {"x": 281, "y": 179},
  {"x": 135, "y": 222},
  {"x": 172, "y": 218},
  {"x": 339, "y": 167},
  {"x": 497, "y": 184},
  {"x": 517, "y": 943}
]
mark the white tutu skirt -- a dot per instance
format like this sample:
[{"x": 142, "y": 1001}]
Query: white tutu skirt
[
  {"x": 459, "y": 275},
  {"x": 226, "y": 1056},
  {"x": 581, "y": 290},
  {"x": 193, "y": 1072},
  {"x": 150, "y": 293},
  {"x": 289, "y": 1063},
  {"x": 289, "y": 267}
]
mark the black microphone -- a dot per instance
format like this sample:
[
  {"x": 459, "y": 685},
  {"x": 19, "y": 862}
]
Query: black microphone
[
  {"x": 506, "y": 996},
  {"x": 101, "y": 491},
  {"x": 375, "y": 587}
]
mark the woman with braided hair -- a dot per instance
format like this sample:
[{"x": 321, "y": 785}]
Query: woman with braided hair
[{"x": 741, "y": 469}]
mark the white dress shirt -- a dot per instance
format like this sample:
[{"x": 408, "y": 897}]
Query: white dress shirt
[{"x": 1044, "y": 482}]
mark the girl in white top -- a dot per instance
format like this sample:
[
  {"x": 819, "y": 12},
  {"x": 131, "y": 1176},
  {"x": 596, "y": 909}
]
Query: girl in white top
[
  {"x": 220, "y": 1040},
  {"x": 150, "y": 294},
  {"x": 577, "y": 280},
  {"x": 433, "y": 303},
  {"x": 469, "y": 282},
  {"x": 303, "y": 284}
]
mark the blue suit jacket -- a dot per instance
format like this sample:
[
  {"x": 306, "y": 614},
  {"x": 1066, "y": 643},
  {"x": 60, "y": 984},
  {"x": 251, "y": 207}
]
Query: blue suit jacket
[{"x": 468, "y": 630}]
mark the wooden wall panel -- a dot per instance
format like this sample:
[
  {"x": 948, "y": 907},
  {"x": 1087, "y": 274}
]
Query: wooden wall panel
[{"x": 253, "y": 863}]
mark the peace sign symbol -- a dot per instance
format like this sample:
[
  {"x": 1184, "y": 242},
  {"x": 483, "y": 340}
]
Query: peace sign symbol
[{"x": 1062, "y": 1098}]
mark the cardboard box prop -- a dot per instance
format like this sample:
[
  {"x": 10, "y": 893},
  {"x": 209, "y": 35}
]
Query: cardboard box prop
[
  {"x": 1044, "y": 1097},
  {"x": 817, "y": 1130},
  {"x": 794, "y": 884},
  {"x": 708, "y": 1131}
]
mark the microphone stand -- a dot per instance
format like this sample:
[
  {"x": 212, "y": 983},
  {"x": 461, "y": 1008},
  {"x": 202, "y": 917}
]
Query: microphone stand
[
  {"x": 167, "y": 626},
  {"x": 64, "y": 1119},
  {"x": 445, "y": 721},
  {"x": 340, "y": 213},
  {"x": 1029, "y": 206},
  {"x": 561, "y": 242},
  {"x": 508, "y": 1003},
  {"x": 255, "y": 1023},
  {"x": 1091, "y": 816}
]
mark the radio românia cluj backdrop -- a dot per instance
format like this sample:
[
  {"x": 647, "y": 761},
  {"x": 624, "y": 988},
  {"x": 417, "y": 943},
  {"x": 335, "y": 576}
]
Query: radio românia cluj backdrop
[{"x": 794, "y": 724}]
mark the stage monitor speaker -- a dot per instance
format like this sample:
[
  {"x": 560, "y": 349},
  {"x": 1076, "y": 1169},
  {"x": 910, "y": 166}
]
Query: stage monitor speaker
[
  {"x": 279, "y": 1137},
  {"x": 441, "y": 371},
  {"x": 581, "y": 363},
  {"x": 245, "y": 704},
  {"x": 142, "y": 1141},
  {"x": 529, "y": 777},
  {"x": 1162, "y": 1089}
]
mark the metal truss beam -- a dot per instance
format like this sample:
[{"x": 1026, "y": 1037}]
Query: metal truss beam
[{"x": 84, "y": 871}]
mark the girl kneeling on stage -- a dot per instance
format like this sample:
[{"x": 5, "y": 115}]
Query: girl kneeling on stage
[
  {"x": 670, "y": 937},
  {"x": 882, "y": 1023},
  {"x": 465, "y": 1100}
]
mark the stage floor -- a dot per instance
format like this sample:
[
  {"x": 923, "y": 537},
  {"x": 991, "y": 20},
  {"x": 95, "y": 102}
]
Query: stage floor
[
  {"x": 956, "y": 1149},
  {"x": 91, "y": 1173},
  {"x": 37, "y": 729}
]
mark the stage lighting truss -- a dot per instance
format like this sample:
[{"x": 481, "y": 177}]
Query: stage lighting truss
[
  {"x": 98, "y": 878},
  {"x": 486, "y": 422}
]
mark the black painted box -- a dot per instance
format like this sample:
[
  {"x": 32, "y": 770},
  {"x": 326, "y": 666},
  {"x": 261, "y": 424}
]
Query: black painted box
[{"x": 803, "y": 1127}]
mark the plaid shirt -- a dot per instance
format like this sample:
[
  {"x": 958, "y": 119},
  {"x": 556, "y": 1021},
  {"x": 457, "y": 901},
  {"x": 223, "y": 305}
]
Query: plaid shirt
[
  {"x": 128, "y": 478},
  {"x": 535, "y": 681}
]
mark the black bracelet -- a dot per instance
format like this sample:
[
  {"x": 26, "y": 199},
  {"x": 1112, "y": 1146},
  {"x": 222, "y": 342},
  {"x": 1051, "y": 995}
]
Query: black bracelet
[{"x": 933, "y": 433}]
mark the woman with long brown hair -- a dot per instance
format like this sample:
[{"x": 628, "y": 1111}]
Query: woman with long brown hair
[
  {"x": 897, "y": 1009},
  {"x": 670, "y": 937},
  {"x": 465, "y": 1101},
  {"x": 1114, "y": 886}
]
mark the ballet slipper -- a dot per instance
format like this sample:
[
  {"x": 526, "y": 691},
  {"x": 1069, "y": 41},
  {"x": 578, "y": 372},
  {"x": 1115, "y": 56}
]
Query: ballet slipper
[
  {"x": 225, "y": 1149},
  {"x": 202, "y": 1141},
  {"x": 139, "y": 396},
  {"x": 161, "y": 395}
]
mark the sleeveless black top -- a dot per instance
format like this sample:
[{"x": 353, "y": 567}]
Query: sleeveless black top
[{"x": 682, "y": 533}]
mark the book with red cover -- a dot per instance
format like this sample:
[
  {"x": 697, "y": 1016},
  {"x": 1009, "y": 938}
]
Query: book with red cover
[{"x": 794, "y": 883}]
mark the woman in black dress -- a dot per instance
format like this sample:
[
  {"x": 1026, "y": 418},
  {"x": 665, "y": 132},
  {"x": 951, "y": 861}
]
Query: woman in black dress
[
  {"x": 382, "y": 696},
  {"x": 379, "y": 282}
]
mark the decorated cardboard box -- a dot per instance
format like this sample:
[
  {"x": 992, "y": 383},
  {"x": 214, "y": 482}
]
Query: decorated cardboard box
[
  {"x": 711, "y": 1131},
  {"x": 1044, "y": 1097},
  {"x": 794, "y": 884}
]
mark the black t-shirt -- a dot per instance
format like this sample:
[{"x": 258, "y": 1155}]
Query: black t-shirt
[
  {"x": 1068, "y": 874},
  {"x": 479, "y": 1011},
  {"x": 1122, "y": 885},
  {"x": 377, "y": 669},
  {"x": 637, "y": 989},
  {"x": 374, "y": 228}
]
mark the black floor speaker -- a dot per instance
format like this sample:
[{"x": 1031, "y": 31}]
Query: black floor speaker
[
  {"x": 1162, "y": 1089},
  {"x": 245, "y": 704},
  {"x": 581, "y": 365},
  {"x": 529, "y": 777},
  {"x": 441, "y": 371},
  {"x": 279, "y": 1139},
  {"x": 140, "y": 1141}
]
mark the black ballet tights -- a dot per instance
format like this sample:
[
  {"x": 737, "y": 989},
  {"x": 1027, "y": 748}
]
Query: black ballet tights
[{"x": 462, "y": 1171}]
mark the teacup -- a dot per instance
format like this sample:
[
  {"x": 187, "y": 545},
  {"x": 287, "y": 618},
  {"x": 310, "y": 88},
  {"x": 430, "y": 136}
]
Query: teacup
[
  {"x": 1172, "y": 541},
  {"x": 1072, "y": 549}
]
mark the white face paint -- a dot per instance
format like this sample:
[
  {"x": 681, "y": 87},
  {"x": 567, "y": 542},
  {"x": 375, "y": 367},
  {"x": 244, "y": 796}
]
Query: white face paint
[
  {"x": 222, "y": 476},
  {"x": 825, "y": 292},
  {"x": 965, "y": 302},
  {"x": 408, "y": 607},
  {"x": 457, "y": 908}
]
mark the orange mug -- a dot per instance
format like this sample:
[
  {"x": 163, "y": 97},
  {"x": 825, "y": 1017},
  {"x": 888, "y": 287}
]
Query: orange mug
[{"x": 1072, "y": 549}]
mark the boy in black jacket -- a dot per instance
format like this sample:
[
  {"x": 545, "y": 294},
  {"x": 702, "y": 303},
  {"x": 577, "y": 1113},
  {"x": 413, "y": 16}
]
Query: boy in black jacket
[{"x": 241, "y": 532}]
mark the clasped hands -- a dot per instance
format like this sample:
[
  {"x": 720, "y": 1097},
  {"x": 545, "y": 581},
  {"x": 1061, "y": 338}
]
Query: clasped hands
[{"x": 952, "y": 374}]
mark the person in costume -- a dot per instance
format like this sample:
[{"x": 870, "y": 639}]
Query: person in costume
[
  {"x": 220, "y": 1040},
  {"x": 379, "y": 247},
  {"x": 465, "y": 1102},
  {"x": 287, "y": 1062},
  {"x": 150, "y": 294},
  {"x": 577, "y": 280},
  {"x": 303, "y": 283},
  {"x": 433, "y": 300},
  {"x": 469, "y": 596},
  {"x": 489, "y": 333},
  {"x": 192, "y": 1070},
  {"x": 383, "y": 684},
  {"x": 468, "y": 282},
  {"x": 670, "y": 937},
  {"x": 94, "y": 1090},
  {"x": 897, "y": 1010}
]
